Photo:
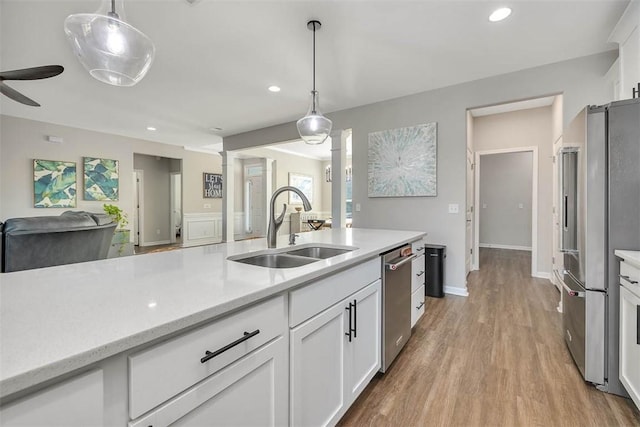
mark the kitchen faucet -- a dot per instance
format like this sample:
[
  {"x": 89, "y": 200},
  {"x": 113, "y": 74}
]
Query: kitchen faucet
[{"x": 275, "y": 223}]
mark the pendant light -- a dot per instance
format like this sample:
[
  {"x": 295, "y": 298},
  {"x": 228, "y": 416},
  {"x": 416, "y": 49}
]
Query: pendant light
[
  {"x": 112, "y": 50},
  {"x": 314, "y": 128}
]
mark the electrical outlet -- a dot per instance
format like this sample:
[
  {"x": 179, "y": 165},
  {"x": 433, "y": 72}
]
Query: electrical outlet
[
  {"x": 157, "y": 231},
  {"x": 207, "y": 205},
  {"x": 520, "y": 206},
  {"x": 358, "y": 207},
  {"x": 454, "y": 208}
]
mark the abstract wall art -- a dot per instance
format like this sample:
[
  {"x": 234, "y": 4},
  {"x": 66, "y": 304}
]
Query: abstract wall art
[
  {"x": 100, "y": 179},
  {"x": 403, "y": 162},
  {"x": 54, "y": 184}
]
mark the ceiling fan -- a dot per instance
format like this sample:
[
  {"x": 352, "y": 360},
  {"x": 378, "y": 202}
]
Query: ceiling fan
[{"x": 34, "y": 73}]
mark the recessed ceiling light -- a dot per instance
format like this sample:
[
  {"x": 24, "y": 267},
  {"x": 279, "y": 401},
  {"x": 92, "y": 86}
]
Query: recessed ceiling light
[
  {"x": 151, "y": 128},
  {"x": 274, "y": 89},
  {"x": 499, "y": 14}
]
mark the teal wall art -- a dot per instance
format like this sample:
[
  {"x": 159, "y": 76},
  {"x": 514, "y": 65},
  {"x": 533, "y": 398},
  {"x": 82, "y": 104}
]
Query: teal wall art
[
  {"x": 100, "y": 179},
  {"x": 54, "y": 184},
  {"x": 403, "y": 162}
]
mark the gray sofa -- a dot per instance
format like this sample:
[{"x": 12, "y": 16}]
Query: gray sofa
[{"x": 46, "y": 241}]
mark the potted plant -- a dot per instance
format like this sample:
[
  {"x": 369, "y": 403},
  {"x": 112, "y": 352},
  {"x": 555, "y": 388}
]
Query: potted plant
[{"x": 121, "y": 235}]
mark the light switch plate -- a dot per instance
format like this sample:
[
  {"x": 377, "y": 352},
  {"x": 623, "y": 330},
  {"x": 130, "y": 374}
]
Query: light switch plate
[
  {"x": 454, "y": 208},
  {"x": 357, "y": 207}
]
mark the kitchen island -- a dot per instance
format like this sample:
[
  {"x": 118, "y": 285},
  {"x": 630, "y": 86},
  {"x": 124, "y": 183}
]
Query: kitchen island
[{"x": 58, "y": 321}]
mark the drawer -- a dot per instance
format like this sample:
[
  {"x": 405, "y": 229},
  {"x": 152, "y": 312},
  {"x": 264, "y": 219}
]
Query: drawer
[
  {"x": 162, "y": 371},
  {"x": 629, "y": 373},
  {"x": 630, "y": 277},
  {"x": 250, "y": 392},
  {"x": 318, "y": 296},
  {"x": 417, "y": 273},
  {"x": 417, "y": 305},
  {"x": 417, "y": 247}
]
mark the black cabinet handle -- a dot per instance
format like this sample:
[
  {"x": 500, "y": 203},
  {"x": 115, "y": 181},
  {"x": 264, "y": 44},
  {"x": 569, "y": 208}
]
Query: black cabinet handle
[
  {"x": 349, "y": 333},
  {"x": 628, "y": 279},
  {"x": 638, "y": 324},
  {"x": 210, "y": 355},
  {"x": 355, "y": 317},
  {"x": 420, "y": 306},
  {"x": 420, "y": 274}
]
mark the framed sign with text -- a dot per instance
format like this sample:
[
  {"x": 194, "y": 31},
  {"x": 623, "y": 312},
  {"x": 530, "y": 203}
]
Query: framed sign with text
[{"x": 212, "y": 183}]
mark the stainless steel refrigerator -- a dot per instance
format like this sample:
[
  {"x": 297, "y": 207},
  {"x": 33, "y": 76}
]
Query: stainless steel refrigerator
[{"x": 600, "y": 199}]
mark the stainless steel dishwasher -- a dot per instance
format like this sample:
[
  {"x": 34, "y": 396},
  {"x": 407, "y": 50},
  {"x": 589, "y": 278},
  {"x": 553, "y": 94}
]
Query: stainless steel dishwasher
[{"x": 396, "y": 302}]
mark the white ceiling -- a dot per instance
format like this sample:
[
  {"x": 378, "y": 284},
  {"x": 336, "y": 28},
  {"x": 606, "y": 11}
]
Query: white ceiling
[{"x": 215, "y": 59}]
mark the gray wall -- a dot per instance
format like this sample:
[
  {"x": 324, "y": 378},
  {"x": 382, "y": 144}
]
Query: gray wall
[
  {"x": 23, "y": 140},
  {"x": 580, "y": 80},
  {"x": 527, "y": 128},
  {"x": 505, "y": 185},
  {"x": 157, "y": 199}
]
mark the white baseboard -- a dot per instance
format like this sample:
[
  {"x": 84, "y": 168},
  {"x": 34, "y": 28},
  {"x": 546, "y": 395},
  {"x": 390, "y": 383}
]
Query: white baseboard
[
  {"x": 512, "y": 247},
  {"x": 156, "y": 243},
  {"x": 454, "y": 290},
  {"x": 542, "y": 275}
]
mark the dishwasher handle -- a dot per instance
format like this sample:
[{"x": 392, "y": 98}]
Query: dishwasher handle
[{"x": 395, "y": 265}]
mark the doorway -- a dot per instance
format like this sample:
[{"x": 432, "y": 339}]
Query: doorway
[
  {"x": 506, "y": 200},
  {"x": 176, "y": 207}
]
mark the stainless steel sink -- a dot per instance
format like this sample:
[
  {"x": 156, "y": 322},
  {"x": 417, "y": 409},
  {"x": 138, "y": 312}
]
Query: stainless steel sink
[
  {"x": 278, "y": 260},
  {"x": 290, "y": 257},
  {"x": 319, "y": 252}
]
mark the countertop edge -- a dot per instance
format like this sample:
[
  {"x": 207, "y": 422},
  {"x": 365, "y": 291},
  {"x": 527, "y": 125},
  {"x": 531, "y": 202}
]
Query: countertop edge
[
  {"x": 45, "y": 373},
  {"x": 632, "y": 257}
]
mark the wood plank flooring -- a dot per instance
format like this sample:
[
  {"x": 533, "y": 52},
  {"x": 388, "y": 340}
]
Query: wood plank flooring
[{"x": 495, "y": 358}]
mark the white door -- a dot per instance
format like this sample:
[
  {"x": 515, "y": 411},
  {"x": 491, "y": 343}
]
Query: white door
[
  {"x": 317, "y": 369},
  {"x": 469, "y": 213},
  {"x": 255, "y": 201},
  {"x": 557, "y": 257},
  {"x": 362, "y": 354}
]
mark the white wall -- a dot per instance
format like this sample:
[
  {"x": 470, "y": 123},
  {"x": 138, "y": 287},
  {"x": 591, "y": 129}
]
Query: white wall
[
  {"x": 23, "y": 140},
  {"x": 505, "y": 199},
  {"x": 580, "y": 80}
]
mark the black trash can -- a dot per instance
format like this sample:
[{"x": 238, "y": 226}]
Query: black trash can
[{"x": 434, "y": 260}]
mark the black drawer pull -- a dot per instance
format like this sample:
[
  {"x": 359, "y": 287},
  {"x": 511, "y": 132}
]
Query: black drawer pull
[
  {"x": 420, "y": 274},
  {"x": 628, "y": 279},
  {"x": 210, "y": 355},
  {"x": 420, "y": 306}
]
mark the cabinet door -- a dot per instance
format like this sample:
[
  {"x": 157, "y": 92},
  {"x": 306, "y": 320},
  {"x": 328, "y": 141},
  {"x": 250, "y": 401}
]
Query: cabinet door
[
  {"x": 317, "y": 368},
  {"x": 417, "y": 305},
  {"x": 76, "y": 402},
  {"x": 362, "y": 354},
  {"x": 630, "y": 343},
  {"x": 249, "y": 392}
]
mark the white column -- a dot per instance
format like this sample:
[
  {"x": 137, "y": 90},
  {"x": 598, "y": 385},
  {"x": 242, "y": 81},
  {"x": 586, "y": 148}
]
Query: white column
[
  {"x": 338, "y": 178},
  {"x": 228, "y": 213}
]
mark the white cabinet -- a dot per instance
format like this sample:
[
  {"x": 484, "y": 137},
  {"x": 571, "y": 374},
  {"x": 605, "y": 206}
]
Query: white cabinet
[
  {"x": 210, "y": 376},
  {"x": 334, "y": 355},
  {"x": 417, "y": 282},
  {"x": 335, "y": 345},
  {"x": 630, "y": 330},
  {"x": 251, "y": 392},
  {"x": 76, "y": 402},
  {"x": 627, "y": 34}
]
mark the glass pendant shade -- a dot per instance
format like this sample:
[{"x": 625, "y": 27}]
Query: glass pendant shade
[
  {"x": 113, "y": 51},
  {"x": 314, "y": 128}
]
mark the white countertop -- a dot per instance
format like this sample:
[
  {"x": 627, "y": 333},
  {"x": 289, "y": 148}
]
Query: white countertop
[
  {"x": 632, "y": 257},
  {"x": 58, "y": 319}
]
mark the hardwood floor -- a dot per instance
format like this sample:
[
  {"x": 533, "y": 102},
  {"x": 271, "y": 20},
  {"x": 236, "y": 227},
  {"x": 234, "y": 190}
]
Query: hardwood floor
[{"x": 495, "y": 358}]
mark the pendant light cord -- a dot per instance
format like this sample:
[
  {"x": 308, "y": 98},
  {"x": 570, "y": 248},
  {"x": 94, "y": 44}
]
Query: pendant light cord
[{"x": 314, "y": 57}]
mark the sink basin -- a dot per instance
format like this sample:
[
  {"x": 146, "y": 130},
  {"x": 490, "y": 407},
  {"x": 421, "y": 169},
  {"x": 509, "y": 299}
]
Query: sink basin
[
  {"x": 319, "y": 252},
  {"x": 290, "y": 257},
  {"x": 279, "y": 260}
]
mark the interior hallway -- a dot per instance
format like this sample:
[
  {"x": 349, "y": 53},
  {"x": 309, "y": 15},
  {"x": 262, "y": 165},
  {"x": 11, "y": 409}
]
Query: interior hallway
[{"x": 495, "y": 358}]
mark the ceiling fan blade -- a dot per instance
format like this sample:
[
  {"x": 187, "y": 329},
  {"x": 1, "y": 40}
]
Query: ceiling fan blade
[
  {"x": 17, "y": 96},
  {"x": 33, "y": 73}
]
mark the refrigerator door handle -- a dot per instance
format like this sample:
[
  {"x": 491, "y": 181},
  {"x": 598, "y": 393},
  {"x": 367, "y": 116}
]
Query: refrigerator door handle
[{"x": 573, "y": 293}]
